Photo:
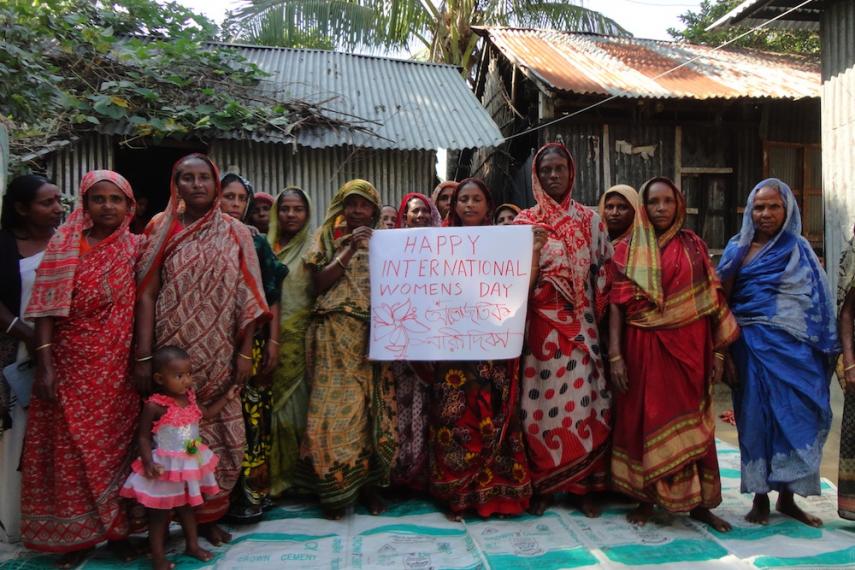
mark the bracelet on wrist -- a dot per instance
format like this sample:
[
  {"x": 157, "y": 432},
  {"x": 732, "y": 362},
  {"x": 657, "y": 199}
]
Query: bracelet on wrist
[
  {"x": 615, "y": 358},
  {"x": 12, "y": 325},
  {"x": 718, "y": 355},
  {"x": 340, "y": 263},
  {"x": 245, "y": 357},
  {"x": 44, "y": 346},
  {"x": 848, "y": 368},
  {"x": 144, "y": 358}
]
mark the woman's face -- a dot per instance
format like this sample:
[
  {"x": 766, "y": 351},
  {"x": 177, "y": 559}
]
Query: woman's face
[
  {"x": 506, "y": 217},
  {"x": 107, "y": 205},
  {"x": 45, "y": 211},
  {"x": 443, "y": 201},
  {"x": 418, "y": 214},
  {"x": 618, "y": 214},
  {"x": 388, "y": 217},
  {"x": 234, "y": 199},
  {"x": 196, "y": 184},
  {"x": 553, "y": 172},
  {"x": 260, "y": 216},
  {"x": 358, "y": 212},
  {"x": 472, "y": 206},
  {"x": 661, "y": 206},
  {"x": 768, "y": 212},
  {"x": 293, "y": 215}
]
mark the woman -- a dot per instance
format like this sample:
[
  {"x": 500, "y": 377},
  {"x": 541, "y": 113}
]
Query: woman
[
  {"x": 83, "y": 412},
  {"x": 442, "y": 197},
  {"x": 846, "y": 375},
  {"x": 253, "y": 487},
  {"x": 289, "y": 236},
  {"x": 668, "y": 324},
  {"x": 617, "y": 209},
  {"x": 477, "y": 457},
  {"x": 784, "y": 357},
  {"x": 566, "y": 402},
  {"x": 350, "y": 429},
  {"x": 412, "y": 379},
  {"x": 258, "y": 215},
  {"x": 201, "y": 290},
  {"x": 505, "y": 214},
  {"x": 388, "y": 214},
  {"x": 31, "y": 212}
]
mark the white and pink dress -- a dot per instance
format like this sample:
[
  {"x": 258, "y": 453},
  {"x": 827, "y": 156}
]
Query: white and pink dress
[{"x": 188, "y": 465}]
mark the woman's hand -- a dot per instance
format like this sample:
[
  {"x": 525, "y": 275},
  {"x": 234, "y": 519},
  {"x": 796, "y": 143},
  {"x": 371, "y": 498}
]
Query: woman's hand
[
  {"x": 142, "y": 377},
  {"x": 717, "y": 370},
  {"x": 360, "y": 237},
  {"x": 731, "y": 376},
  {"x": 617, "y": 369},
  {"x": 243, "y": 369},
  {"x": 45, "y": 381},
  {"x": 849, "y": 376},
  {"x": 271, "y": 358},
  {"x": 152, "y": 470},
  {"x": 540, "y": 237}
]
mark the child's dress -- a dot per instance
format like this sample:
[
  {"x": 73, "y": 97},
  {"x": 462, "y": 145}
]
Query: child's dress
[{"x": 188, "y": 465}]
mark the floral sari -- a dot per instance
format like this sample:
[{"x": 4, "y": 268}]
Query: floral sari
[
  {"x": 566, "y": 403},
  {"x": 210, "y": 294},
  {"x": 663, "y": 446},
  {"x": 76, "y": 451}
]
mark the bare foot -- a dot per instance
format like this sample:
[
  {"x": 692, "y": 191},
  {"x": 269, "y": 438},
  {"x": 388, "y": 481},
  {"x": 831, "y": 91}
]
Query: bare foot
[
  {"x": 706, "y": 516},
  {"x": 640, "y": 514},
  {"x": 161, "y": 563},
  {"x": 334, "y": 514},
  {"x": 454, "y": 517},
  {"x": 199, "y": 553},
  {"x": 539, "y": 504},
  {"x": 73, "y": 559},
  {"x": 759, "y": 513},
  {"x": 589, "y": 507},
  {"x": 787, "y": 505},
  {"x": 214, "y": 534},
  {"x": 371, "y": 499}
]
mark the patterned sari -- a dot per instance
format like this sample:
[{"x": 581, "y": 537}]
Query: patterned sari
[
  {"x": 477, "y": 456},
  {"x": 76, "y": 452},
  {"x": 210, "y": 295},
  {"x": 663, "y": 443},
  {"x": 785, "y": 355},
  {"x": 290, "y": 386},
  {"x": 350, "y": 428},
  {"x": 846, "y": 473},
  {"x": 566, "y": 403}
]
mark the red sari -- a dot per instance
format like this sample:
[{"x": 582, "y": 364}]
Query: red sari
[
  {"x": 76, "y": 452},
  {"x": 663, "y": 446}
]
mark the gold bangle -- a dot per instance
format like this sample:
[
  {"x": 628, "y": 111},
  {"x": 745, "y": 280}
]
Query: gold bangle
[
  {"x": 47, "y": 344},
  {"x": 144, "y": 358},
  {"x": 276, "y": 342},
  {"x": 616, "y": 358},
  {"x": 848, "y": 368},
  {"x": 242, "y": 355},
  {"x": 340, "y": 263},
  {"x": 718, "y": 355}
]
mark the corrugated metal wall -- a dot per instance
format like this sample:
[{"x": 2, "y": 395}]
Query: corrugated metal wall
[
  {"x": 67, "y": 166},
  {"x": 838, "y": 127},
  {"x": 320, "y": 172}
]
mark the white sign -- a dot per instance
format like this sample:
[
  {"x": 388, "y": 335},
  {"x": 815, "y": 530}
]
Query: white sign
[{"x": 449, "y": 293}]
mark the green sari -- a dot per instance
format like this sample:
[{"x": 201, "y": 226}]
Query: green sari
[{"x": 290, "y": 387}]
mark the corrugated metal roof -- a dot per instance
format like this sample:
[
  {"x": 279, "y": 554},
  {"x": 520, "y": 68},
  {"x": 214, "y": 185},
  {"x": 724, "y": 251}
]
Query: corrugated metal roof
[
  {"x": 420, "y": 106},
  {"x": 629, "y": 67},
  {"x": 752, "y": 13}
]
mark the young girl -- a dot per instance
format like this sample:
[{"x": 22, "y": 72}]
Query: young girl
[{"x": 174, "y": 470}]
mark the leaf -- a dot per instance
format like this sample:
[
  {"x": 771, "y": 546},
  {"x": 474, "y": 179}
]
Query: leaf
[{"x": 120, "y": 102}]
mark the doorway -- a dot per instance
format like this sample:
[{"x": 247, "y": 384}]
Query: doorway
[{"x": 709, "y": 203}]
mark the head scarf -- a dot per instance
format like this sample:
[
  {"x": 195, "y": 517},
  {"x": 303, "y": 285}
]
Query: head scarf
[
  {"x": 783, "y": 285},
  {"x": 401, "y": 221},
  {"x": 162, "y": 226},
  {"x": 293, "y": 250},
  {"x": 334, "y": 224},
  {"x": 440, "y": 188},
  {"x": 505, "y": 206},
  {"x": 247, "y": 185},
  {"x": 452, "y": 219},
  {"x": 629, "y": 194},
  {"x": 263, "y": 197},
  {"x": 644, "y": 262},
  {"x": 52, "y": 296}
]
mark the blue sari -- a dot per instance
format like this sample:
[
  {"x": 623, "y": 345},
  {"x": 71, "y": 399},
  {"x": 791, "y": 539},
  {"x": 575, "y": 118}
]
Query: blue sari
[{"x": 784, "y": 357}]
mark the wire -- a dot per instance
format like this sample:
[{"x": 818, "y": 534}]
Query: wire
[{"x": 663, "y": 74}]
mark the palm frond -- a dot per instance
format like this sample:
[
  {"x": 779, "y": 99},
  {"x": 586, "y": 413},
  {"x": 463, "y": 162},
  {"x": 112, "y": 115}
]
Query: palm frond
[{"x": 564, "y": 16}]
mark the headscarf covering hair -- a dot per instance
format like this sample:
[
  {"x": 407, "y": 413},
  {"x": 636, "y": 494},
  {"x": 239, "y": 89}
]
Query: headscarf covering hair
[
  {"x": 56, "y": 272},
  {"x": 628, "y": 193},
  {"x": 161, "y": 227},
  {"x": 229, "y": 178},
  {"x": 21, "y": 190},
  {"x": 561, "y": 150},
  {"x": 334, "y": 225},
  {"x": 788, "y": 289},
  {"x": 264, "y": 197},
  {"x": 293, "y": 250},
  {"x": 506, "y": 206},
  {"x": 644, "y": 264},
  {"x": 401, "y": 222},
  {"x": 440, "y": 187},
  {"x": 453, "y": 220}
]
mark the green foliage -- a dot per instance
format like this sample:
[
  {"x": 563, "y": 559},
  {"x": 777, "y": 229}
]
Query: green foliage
[
  {"x": 69, "y": 66},
  {"x": 766, "y": 39}
]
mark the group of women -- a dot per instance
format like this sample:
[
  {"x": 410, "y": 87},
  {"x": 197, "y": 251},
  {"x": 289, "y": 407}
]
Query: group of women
[{"x": 628, "y": 329}]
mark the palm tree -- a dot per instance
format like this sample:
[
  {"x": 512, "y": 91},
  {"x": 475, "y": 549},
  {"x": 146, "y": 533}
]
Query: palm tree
[{"x": 441, "y": 32}]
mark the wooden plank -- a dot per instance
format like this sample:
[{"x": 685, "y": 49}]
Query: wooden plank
[
  {"x": 607, "y": 159},
  {"x": 706, "y": 170}
]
